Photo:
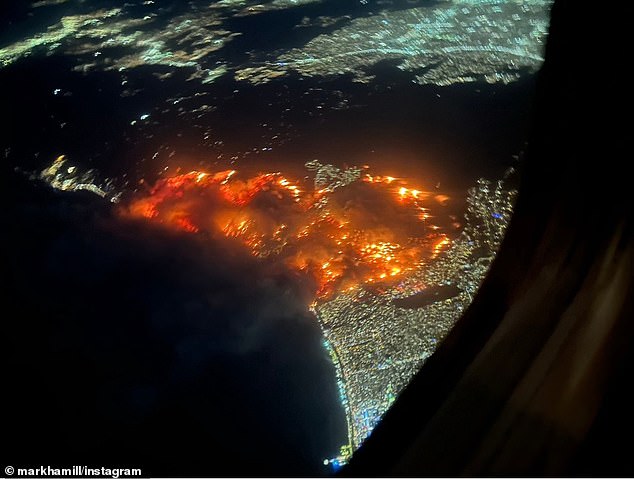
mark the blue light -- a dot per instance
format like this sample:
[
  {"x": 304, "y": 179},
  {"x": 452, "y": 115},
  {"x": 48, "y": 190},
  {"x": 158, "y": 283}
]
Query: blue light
[{"x": 496, "y": 215}]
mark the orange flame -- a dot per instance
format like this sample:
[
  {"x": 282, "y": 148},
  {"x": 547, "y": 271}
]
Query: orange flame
[{"x": 272, "y": 215}]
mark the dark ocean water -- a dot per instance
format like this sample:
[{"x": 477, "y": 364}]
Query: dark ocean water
[{"x": 132, "y": 345}]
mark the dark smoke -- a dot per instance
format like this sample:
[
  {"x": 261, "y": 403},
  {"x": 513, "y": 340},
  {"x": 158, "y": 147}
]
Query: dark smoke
[{"x": 129, "y": 344}]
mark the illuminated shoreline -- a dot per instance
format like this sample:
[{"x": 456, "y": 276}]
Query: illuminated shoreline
[
  {"x": 375, "y": 343},
  {"x": 403, "y": 338}
]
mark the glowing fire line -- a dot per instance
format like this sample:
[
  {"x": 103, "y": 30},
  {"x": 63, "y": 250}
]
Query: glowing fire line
[{"x": 271, "y": 214}]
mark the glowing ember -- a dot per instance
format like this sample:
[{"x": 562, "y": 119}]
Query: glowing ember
[{"x": 369, "y": 232}]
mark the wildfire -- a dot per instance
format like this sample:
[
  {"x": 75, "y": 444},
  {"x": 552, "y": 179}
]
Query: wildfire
[
  {"x": 441, "y": 244},
  {"x": 370, "y": 235}
]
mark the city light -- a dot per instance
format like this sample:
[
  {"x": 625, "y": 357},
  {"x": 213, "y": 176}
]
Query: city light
[{"x": 367, "y": 243}]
